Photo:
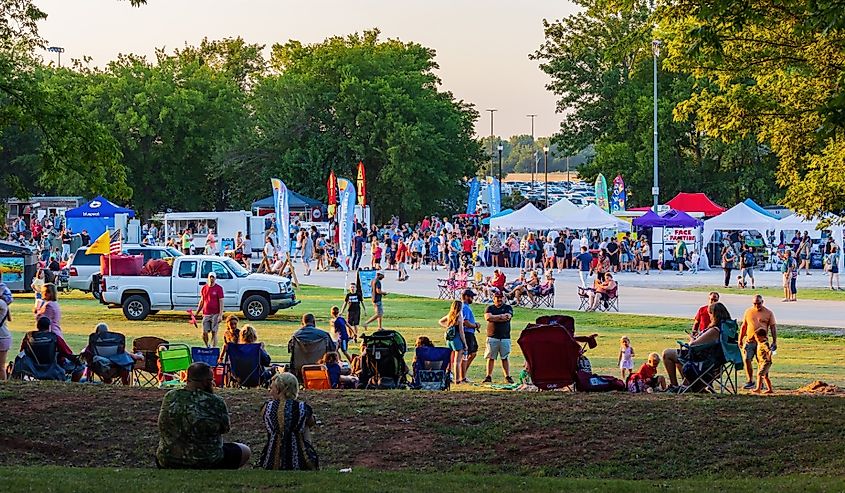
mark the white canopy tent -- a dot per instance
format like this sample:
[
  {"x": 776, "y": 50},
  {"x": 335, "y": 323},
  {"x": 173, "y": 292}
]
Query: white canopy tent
[
  {"x": 560, "y": 209},
  {"x": 528, "y": 218},
  {"x": 799, "y": 223},
  {"x": 591, "y": 217},
  {"x": 739, "y": 217}
]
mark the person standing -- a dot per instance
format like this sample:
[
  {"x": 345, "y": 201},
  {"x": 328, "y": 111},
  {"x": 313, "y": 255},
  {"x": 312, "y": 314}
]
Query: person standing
[
  {"x": 211, "y": 307},
  {"x": 378, "y": 308},
  {"x": 211, "y": 243},
  {"x": 191, "y": 423},
  {"x": 560, "y": 250},
  {"x": 402, "y": 260},
  {"x": 805, "y": 248},
  {"x": 645, "y": 253},
  {"x": 357, "y": 249},
  {"x": 352, "y": 303},
  {"x": 498, "y": 317},
  {"x": 756, "y": 317},
  {"x": 5, "y": 337},
  {"x": 470, "y": 326},
  {"x": 584, "y": 260},
  {"x": 746, "y": 265},
  {"x": 832, "y": 262},
  {"x": 186, "y": 242},
  {"x": 49, "y": 308},
  {"x": 455, "y": 337},
  {"x": 681, "y": 256},
  {"x": 728, "y": 259},
  {"x": 307, "y": 250}
]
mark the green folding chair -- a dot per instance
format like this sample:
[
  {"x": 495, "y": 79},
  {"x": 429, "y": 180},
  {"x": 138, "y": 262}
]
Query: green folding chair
[{"x": 173, "y": 360}]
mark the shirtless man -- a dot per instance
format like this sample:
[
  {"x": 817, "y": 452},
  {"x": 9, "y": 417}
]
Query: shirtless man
[{"x": 756, "y": 317}]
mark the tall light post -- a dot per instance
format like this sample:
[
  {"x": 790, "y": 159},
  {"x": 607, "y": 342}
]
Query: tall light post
[
  {"x": 655, "y": 189},
  {"x": 501, "y": 148},
  {"x": 58, "y": 50},
  {"x": 567, "y": 170},
  {"x": 534, "y": 170},
  {"x": 546, "y": 171},
  {"x": 491, "y": 138}
]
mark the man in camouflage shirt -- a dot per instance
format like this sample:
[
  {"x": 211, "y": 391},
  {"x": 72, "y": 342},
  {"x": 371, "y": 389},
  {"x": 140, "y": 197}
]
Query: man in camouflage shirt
[{"x": 191, "y": 424}]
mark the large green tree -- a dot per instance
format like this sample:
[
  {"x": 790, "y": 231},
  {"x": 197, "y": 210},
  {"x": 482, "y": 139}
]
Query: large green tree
[
  {"x": 601, "y": 64},
  {"x": 328, "y": 105},
  {"x": 775, "y": 72}
]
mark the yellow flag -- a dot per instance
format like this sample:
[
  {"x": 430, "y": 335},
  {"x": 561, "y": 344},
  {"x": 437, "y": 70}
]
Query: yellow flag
[{"x": 100, "y": 245}]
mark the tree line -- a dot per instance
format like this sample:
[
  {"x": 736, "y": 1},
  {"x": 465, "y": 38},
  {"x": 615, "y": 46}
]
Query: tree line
[{"x": 206, "y": 127}]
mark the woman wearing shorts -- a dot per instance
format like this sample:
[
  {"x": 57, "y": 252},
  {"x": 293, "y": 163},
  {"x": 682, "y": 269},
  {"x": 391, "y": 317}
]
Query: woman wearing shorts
[{"x": 5, "y": 338}]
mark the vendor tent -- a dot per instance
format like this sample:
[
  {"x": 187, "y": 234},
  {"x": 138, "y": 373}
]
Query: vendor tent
[
  {"x": 799, "y": 223},
  {"x": 671, "y": 219},
  {"x": 505, "y": 212},
  {"x": 695, "y": 202},
  {"x": 296, "y": 202},
  {"x": 528, "y": 218},
  {"x": 95, "y": 217},
  {"x": 756, "y": 207},
  {"x": 591, "y": 217},
  {"x": 560, "y": 209},
  {"x": 739, "y": 217}
]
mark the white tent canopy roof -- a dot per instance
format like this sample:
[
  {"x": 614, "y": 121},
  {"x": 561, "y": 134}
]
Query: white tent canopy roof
[
  {"x": 560, "y": 209},
  {"x": 591, "y": 217},
  {"x": 527, "y": 218},
  {"x": 739, "y": 217},
  {"x": 800, "y": 223}
]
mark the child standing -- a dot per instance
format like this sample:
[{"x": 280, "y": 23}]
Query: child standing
[
  {"x": 660, "y": 261},
  {"x": 764, "y": 359},
  {"x": 626, "y": 357},
  {"x": 341, "y": 332}
]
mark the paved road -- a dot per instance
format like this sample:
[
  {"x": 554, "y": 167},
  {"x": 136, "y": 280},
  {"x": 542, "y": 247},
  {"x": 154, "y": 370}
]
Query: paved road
[{"x": 655, "y": 294}]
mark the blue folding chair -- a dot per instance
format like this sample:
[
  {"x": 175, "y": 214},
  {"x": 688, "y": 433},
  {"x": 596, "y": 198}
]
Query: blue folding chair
[
  {"x": 243, "y": 366},
  {"x": 431, "y": 368},
  {"x": 207, "y": 355}
]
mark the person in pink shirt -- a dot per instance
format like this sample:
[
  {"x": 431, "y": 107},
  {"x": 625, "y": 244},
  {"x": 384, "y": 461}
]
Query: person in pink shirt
[
  {"x": 211, "y": 304},
  {"x": 49, "y": 307}
]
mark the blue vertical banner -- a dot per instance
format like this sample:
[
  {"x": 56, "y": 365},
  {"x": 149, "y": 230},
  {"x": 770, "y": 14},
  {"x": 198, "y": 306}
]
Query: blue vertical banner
[
  {"x": 495, "y": 197},
  {"x": 472, "y": 201},
  {"x": 280, "y": 204},
  {"x": 345, "y": 221}
]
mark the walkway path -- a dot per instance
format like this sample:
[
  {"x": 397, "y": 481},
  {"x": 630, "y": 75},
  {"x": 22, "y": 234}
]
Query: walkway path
[{"x": 655, "y": 294}]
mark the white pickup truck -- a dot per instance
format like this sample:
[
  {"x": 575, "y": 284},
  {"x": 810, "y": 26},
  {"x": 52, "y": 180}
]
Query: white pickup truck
[{"x": 256, "y": 295}]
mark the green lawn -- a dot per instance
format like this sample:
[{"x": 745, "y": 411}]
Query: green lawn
[
  {"x": 804, "y": 354},
  {"x": 60, "y": 480},
  {"x": 773, "y": 294}
]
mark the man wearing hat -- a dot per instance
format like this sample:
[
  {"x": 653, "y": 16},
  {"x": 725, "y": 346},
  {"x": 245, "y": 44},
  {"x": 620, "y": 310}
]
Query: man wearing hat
[
  {"x": 470, "y": 326},
  {"x": 211, "y": 304},
  {"x": 498, "y": 317}
]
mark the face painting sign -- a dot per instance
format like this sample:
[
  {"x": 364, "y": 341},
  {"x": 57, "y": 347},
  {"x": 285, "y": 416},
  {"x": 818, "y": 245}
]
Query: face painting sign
[{"x": 675, "y": 235}]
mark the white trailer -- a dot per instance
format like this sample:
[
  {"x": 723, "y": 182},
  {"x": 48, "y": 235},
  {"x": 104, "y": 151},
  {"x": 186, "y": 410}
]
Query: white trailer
[{"x": 226, "y": 226}]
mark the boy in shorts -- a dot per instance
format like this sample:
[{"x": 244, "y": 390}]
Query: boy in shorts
[
  {"x": 764, "y": 361},
  {"x": 648, "y": 373},
  {"x": 352, "y": 302}
]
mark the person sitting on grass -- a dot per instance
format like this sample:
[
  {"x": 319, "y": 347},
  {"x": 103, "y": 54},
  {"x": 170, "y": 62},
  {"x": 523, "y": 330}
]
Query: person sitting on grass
[
  {"x": 191, "y": 424},
  {"x": 288, "y": 422},
  {"x": 648, "y": 374},
  {"x": 672, "y": 357},
  {"x": 336, "y": 377}
]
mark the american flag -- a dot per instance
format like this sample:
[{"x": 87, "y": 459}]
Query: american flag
[{"x": 116, "y": 244}]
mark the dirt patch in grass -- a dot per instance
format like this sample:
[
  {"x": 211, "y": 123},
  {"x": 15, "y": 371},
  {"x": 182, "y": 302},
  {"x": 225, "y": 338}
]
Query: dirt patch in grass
[{"x": 559, "y": 434}]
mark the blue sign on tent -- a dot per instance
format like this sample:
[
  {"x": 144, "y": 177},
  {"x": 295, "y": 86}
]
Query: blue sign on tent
[{"x": 95, "y": 217}]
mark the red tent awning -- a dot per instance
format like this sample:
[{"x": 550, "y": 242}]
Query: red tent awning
[{"x": 695, "y": 202}]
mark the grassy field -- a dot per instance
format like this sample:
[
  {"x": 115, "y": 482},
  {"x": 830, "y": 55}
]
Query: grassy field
[
  {"x": 773, "y": 294},
  {"x": 804, "y": 354}
]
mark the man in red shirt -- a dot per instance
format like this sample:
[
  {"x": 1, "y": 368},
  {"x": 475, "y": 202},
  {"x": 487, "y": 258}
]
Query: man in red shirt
[
  {"x": 211, "y": 304},
  {"x": 402, "y": 254},
  {"x": 702, "y": 317}
]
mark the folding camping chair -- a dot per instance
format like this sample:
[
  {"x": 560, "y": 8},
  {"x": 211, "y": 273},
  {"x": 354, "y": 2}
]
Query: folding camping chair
[
  {"x": 211, "y": 357},
  {"x": 39, "y": 360},
  {"x": 243, "y": 366},
  {"x": 431, "y": 368},
  {"x": 316, "y": 377},
  {"x": 306, "y": 353},
  {"x": 107, "y": 358},
  {"x": 551, "y": 351},
  {"x": 145, "y": 372},
  {"x": 173, "y": 361},
  {"x": 546, "y": 299},
  {"x": 584, "y": 298},
  {"x": 612, "y": 301},
  {"x": 444, "y": 290},
  {"x": 716, "y": 365}
]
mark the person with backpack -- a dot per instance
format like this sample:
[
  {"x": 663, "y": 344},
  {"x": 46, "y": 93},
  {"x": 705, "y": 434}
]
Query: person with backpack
[
  {"x": 728, "y": 259},
  {"x": 746, "y": 265}
]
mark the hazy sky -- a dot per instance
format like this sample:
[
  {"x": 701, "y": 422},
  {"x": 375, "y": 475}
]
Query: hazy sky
[{"x": 482, "y": 45}]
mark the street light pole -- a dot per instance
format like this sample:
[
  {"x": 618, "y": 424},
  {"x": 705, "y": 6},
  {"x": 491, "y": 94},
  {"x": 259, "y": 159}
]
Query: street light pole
[
  {"x": 534, "y": 169},
  {"x": 567, "y": 169},
  {"x": 491, "y": 139},
  {"x": 655, "y": 190},
  {"x": 501, "y": 148},
  {"x": 58, "y": 50},
  {"x": 546, "y": 171}
]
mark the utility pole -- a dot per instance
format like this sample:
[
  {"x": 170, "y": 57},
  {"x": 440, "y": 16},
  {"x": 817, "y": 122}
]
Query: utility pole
[
  {"x": 546, "y": 171},
  {"x": 534, "y": 169},
  {"x": 655, "y": 190},
  {"x": 492, "y": 152},
  {"x": 501, "y": 148}
]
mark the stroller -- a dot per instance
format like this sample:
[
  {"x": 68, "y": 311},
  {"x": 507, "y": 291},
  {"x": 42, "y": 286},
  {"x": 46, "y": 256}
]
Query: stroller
[
  {"x": 383, "y": 363},
  {"x": 431, "y": 368},
  {"x": 553, "y": 353}
]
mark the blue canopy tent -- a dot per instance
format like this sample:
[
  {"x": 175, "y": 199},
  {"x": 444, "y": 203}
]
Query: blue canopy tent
[
  {"x": 296, "y": 202},
  {"x": 505, "y": 212},
  {"x": 756, "y": 207},
  {"x": 95, "y": 217}
]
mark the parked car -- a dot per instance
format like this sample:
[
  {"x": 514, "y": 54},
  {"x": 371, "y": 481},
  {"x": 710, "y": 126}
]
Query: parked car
[
  {"x": 256, "y": 295},
  {"x": 83, "y": 267}
]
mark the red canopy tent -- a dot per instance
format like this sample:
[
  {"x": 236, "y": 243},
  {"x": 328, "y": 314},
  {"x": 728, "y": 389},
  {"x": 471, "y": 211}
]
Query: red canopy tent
[{"x": 691, "y": 202}]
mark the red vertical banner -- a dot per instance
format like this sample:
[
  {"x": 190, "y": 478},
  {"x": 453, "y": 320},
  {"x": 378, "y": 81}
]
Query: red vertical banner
[
  {"x": 331, "y": 188},
  {"x": 362, "y": 185}
]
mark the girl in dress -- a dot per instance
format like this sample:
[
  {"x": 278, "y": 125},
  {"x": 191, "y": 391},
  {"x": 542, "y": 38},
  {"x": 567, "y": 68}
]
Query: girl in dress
[{"x": 626, "y": 357}]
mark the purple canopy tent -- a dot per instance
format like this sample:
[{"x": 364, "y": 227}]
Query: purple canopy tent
[{"x": 671, "y": 219}]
